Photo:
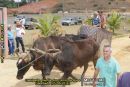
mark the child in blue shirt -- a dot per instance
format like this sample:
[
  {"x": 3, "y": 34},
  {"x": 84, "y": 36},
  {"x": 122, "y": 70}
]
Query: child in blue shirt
[{"x": 10, "y": 40}]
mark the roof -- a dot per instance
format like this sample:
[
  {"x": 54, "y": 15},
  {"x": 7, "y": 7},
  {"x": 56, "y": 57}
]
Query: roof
[{"x": 37, "y": 7}]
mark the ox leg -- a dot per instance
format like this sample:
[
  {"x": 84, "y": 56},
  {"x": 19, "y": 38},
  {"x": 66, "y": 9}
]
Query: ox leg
[
  {"x": 94, "y": 63},
  {"x": 85, "y": 68},
  {"x": 95, "y": 60},
  {"x": 83, "y": 74},
  {"x": 43, "y": 76},
  {"x": 73, "y": 77},
  {"x": 66, "y": 75}
]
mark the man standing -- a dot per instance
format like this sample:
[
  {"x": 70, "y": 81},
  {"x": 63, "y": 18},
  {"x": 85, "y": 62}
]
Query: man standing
[
  {"x": 102, "y": 20},
  {"x": 22, "y": 21},
  {"x": 108, "y": 68},
  {"x": 10, "y": 40},
  {"x": 96, "y": 20},
  {"x": 19, "y": 36}
]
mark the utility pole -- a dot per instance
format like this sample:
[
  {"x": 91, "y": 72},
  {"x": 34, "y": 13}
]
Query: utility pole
[{"x": 63, "y": 5}]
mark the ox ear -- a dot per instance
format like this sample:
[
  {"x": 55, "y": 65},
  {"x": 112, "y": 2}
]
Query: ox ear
[
  {"x": 27, "y": 57},
  {"x": 19, "y": 61}
]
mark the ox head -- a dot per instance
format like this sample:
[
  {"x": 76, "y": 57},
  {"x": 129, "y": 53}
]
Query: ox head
[
  {"x": 24, "y": 62},
  {"x": 49, "y": 60},
  {"x": 24, "y": 59}
]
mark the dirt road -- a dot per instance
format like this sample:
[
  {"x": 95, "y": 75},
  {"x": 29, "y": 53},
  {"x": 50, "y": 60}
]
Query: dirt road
[{"x": 8, "y": 70}]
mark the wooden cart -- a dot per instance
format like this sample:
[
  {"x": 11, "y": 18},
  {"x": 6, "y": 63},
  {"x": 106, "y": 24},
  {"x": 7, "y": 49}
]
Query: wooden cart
[{"x": 102, "y": 36}]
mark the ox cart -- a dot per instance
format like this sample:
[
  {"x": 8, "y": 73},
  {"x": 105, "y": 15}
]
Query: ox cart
[{"x": 102, "y": 36}]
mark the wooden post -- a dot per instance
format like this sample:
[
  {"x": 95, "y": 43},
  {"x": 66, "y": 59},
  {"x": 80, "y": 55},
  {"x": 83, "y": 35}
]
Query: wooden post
[{"x": 3, "y": 35}]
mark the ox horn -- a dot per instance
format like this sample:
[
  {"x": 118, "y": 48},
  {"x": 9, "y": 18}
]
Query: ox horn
[
  {"x": 54, "y": 51},
  {"x": 37, "y": 50}
]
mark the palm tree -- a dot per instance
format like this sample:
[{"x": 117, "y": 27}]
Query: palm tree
[
  {"x": 114, "y": 21},
  {"x": 47, "y": 24}
]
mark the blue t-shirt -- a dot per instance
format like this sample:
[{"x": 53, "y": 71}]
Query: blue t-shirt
[
  {"x": 96, "y": 21},
  {"x": 108, "y": 70},
  {"x": 10, "y": 35}
]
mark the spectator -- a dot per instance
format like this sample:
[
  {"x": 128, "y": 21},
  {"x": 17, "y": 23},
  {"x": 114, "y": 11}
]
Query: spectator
[
  {"x": 124, "y": 80},
  {"x": 107, "y": 67},
  {"x": 22, "y": 21},
  {"x": 102, "y": 20},
  {"x": 96, "y": 20},
  {"x": 10, "y": 40},
  {"x": 19, "y": 36}
]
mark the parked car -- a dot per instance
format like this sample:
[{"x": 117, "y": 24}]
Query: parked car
[
  {"x": 79, "y": 20},
  {"x": 69, "y": 21},
  {"x": 18, "y": 18},
  {"x": 30, "y": 23}
]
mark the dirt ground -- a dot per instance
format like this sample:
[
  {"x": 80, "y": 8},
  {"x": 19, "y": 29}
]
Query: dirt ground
[{"x": 8, "y": 70}]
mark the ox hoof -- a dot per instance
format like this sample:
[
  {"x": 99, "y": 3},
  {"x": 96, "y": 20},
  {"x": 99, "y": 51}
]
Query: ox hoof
[{"x": 19, "y": 78}]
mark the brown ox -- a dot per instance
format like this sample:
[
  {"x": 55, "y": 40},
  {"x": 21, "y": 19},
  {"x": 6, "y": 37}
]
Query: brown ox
[
  {"x": 73, "y": 54},
  {"x": 36, "y": 58}
]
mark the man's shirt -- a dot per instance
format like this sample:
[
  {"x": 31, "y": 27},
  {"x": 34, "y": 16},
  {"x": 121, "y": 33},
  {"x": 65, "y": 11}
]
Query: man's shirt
[
  {"x": 10, "y": 35},
  {"x": 108, "y": 70},
  {"x": 96, "y": 21},
  {"x": 19, "y": 32}
]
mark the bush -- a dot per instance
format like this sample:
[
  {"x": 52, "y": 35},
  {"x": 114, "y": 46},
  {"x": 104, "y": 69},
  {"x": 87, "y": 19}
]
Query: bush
[
  {"x": 114, "y": 21},
  {"x": 88, "y": 21},
  {"x": 47, "y": 24}
]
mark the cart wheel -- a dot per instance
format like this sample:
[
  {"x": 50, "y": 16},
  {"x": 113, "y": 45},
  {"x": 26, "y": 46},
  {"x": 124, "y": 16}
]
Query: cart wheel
[{"x": 103, "y": 43}]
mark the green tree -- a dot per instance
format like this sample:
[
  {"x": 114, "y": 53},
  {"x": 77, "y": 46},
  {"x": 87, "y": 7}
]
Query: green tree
[
  {"x": 7, "y": 3},
  {"x": 46, "y": 24},
  {"x": 88, "y": 21},
  {"x": 114, "y": 21}
]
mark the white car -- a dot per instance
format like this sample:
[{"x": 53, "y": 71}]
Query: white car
[
  {"x": 18, "y": 18},
  {"x": 69, "y": 21},
  {"x": 30, "y": 23}
]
